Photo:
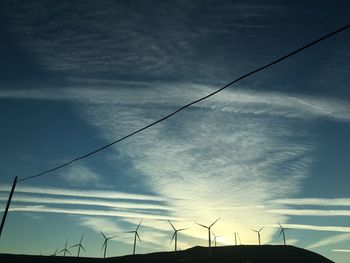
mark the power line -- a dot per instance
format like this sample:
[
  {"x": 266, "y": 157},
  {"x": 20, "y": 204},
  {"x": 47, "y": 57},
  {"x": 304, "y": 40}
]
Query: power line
[{"x": 318, "y": 40}]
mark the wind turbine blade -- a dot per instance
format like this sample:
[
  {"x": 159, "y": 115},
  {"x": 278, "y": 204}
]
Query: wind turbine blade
[
  {"x": 138, "y": 225},
  {"x": 75, "y": 245},
  {"x": 261, "y": 229},
  {"x": 103, "y": 235},
  {"x": 254, "y": 230},
  {"x": 181, "y": 229},
  {"x": 173, "y": 237},
  {"x": 60, "y": 251},
  {"x": 172, "y": 225},
  {"x": 129, "y": 232},
  {"x": 83, "y": 248},
  {"x": 137, "y": 234},
  {"x": 68, "y": 251},
  {"x": 81, "y": 238},
  {"x": 202, "y": 225},
  {"x": 112, "y": 237},
  {"x": 214, "y": 222}
]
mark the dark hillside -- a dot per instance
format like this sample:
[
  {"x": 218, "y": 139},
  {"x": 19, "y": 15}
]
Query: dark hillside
[{"x": 234, "y": 254}]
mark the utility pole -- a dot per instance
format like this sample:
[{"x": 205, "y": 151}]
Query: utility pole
[{"x": 8, "y": 205}]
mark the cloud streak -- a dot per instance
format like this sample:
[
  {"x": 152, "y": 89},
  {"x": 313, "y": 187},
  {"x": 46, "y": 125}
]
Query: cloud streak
[
  {"x": 85, "y": 202},
  {"x": 90, "y": 212},
  {"x": 315, "y": 201},
  {"x": 310, "y": 212},
  {"x": 341, "y": 250},
  {"x": 318, "y": 228},
  {"x": 82, "y": 193},
  {"x": 237, "y": 101},
  {"x": 335, "y": 239}
]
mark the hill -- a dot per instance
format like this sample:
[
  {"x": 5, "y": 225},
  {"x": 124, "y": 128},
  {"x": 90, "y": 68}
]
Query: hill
[{"x": 225, "y": 254}]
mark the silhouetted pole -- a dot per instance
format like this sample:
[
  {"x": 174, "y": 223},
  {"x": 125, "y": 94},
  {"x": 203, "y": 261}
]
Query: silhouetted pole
[
  {"x": 8, "y": 205},
  {"x": 133, "y": 252},
  {"x": 104, "y": 254},
  {"x": 284, "y": 237},
  {"x": 209, "y": 241},
  {"x": 235, "y": 238},
  {"x": 176, "y": 242}
]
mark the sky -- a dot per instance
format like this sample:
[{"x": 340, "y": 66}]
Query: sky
[{"x": 273, "y": 148}]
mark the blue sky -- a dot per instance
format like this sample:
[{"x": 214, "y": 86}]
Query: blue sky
[{"x": 273, "y": 148}]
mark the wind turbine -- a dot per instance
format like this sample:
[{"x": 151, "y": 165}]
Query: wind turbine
[
  {"x": 136, "y": 235},
  {"x": 54, "y": 254},
  {"x": 209, "y": 227},
  {"x": 282, "y": 232},
  {"x": 79, "y": 245},
  {"x": 235, "y": 238},
  {"x": 105, "y": 243},
  {"x": 258, "y": 231},
  {"x": 65, "y": 250},
  {"x": 239, "y": 239},
  {"x": 175, "y": 234},
  {"x": 215, "y": 237}
]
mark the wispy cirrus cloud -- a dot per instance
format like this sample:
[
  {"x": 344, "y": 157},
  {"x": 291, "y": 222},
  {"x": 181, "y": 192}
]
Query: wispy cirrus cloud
[
  {"x": 80, "y": 175},
  {"x": 129, "y": 46},
  {"x": 210, "y": 161},
  {"x": 314, "y": 201},
  {"x": 220, "y": 159},
  {"x": 193, "y": 158},
  {"x": 82, "y": 193},
  {"x": 235, "y": 101},
  {"x": 335, "y": 239},
  {"x": 90, "y": 212},
  {"x": 19, "y": 198},
  {"x": 341, "y": 250},
  {"x": 318, "y": 228},
  {"x": 310, "y": 212}
]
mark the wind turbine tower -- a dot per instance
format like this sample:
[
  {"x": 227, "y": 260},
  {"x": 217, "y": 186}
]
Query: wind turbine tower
[
  {"x": 105, "y": 243},
  {"x": 136, "y": 235},
  {"x": 79, "y": 245},
  {"x": 258, "y": 231},
  {"x": 209, "y": 230},
  {"x": 175, "y": 234}
]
